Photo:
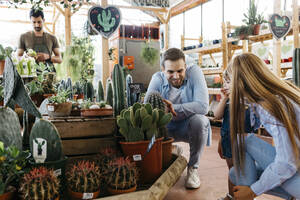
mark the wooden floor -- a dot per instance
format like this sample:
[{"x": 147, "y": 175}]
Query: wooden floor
[{"x": 213, "y": 173}]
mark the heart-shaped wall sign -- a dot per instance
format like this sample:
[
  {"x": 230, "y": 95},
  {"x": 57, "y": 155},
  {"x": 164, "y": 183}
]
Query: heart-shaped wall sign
[
  {"x": 104, "y": 20},
  {"x": 279, "y": 25}
]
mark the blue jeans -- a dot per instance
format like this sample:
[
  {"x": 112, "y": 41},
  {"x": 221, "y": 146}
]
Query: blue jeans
[
  {"x": 193, "y": 130},
  {"x": 259, "y": 154}
]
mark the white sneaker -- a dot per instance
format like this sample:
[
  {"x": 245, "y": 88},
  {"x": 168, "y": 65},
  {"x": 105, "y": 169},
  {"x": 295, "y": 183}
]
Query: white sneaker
[{"x": 192, "y": 180}]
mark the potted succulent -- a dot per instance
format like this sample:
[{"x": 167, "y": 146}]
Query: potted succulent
[
  {"x": 92, "y": 109},
  {"x": 243, "y": 31},
  {"x": 12, "y": 163},
  {"x": 138, "y": 124},
  {"x": 253, "y": 18},
  {"x": 156, "y": 101},
  {"x": 78, "y": 91},
  {"x": 83, "y": 180},
  {"x": 123, "y": 176},
  {"x": 59, "y": 105},
  {"x": 4, "y": 52},
  {"x": 40, "y": 183}
]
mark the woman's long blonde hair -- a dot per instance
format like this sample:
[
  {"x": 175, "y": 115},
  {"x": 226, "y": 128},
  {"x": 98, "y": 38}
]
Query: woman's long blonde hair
[{"x": 253, "y": 81}]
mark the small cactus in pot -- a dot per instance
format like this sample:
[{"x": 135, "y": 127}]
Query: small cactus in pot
[
  {"x": 84, "y": 180},
  {"x": 40, "y": 183},
  {"x": 123, "y": 176},
  {"x": 103, "y": 160}
]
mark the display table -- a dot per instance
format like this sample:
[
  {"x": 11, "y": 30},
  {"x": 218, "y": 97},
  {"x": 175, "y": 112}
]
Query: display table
[{"x": 84, "y": 136}]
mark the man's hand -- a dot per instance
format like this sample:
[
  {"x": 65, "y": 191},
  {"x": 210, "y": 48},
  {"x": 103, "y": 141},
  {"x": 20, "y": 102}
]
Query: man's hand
[
  {"x": 243, "y": 193},
  {"x": 220, "y": 151},
  {"x": 41, "y": 57},
  {"x": 169, "y": 107}
]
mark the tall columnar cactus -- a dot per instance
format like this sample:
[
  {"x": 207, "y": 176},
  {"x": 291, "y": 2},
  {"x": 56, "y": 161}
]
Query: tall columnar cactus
[
  {"x": 109, "y": 92},
  {"x": 10, "y": 129},
  {"x": 107, "y": 22},
  {"x": 40, "y": 183},
  {"x": 84, "y": 177},
  {"x": 123, "y": 174},
  {"x": 100, "y": 91},
  {"x": 69, "y": 87},
  {"x": 155, "y": 99},
  {"x": 46, "y": 130},
  {"x": 128, "y": 93},
  {"x": 118, "y": 89},
  {"x": 89, "y": 91},
  {"x": 140, "y": 122}
]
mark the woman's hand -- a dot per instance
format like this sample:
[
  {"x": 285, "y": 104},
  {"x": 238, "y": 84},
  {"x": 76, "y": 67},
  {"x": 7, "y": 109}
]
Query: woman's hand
[
  {"x": 243, "y": 193},
  {"x": 169, "y": 107}
]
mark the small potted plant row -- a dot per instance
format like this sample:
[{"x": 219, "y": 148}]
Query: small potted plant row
[{"x": 91, "y": 109}]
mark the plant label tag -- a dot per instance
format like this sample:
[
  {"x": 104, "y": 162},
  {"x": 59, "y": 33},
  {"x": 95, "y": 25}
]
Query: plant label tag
[
  {"x": 137, "y": 157},
  {"x": 51, "y": 108},
  {"x": 88, "y": 195},
  {"x": 57, "y": 172},
  {"x": 39, "y": 150}
]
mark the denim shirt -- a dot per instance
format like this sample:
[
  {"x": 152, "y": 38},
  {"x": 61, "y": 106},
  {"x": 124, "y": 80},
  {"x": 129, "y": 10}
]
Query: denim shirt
[
  {"x": 284, "y": 165},
  {"x": 194, "y": 95}
]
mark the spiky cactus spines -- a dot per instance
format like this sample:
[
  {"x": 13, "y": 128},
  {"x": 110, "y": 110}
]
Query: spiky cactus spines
[
  {"x": 40, "y": 183},
  {"x": 103, "y": 159},
  {"x": 155, "y": 99},
  {"x": 10, "y": 129},
  {"x": 123, "y": 174},
  {"x": 42, "y": 131},
  {"x": 84, "y": 177},
  {"x": 100, "y": 91},
  {"x": 109, "y": 92}
]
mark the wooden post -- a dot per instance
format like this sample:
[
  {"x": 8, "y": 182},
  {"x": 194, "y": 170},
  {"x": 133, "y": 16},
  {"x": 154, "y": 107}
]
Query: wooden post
[
  {"x": 276, "y": 44},
  {"x": 295, "y": 24},
  {"x": 182, "y": 41},
  {"x": 68, "y": 26},
  {"x": 224, "y": 46},
  {"x": 105, "y": 60},
  {"x": 166, "y": 36}
]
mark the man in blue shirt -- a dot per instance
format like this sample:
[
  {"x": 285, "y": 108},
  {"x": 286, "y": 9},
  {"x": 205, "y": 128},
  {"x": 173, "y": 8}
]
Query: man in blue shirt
[{"x": 186, "y": 96}]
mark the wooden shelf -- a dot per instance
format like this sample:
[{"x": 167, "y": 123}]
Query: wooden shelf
[
  {"x": 214, "y": 91},
  {"x": 212, "y": 71},
  {"x": 260, "y": 38}
]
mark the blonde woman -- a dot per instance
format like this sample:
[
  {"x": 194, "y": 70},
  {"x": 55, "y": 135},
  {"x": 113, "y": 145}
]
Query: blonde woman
[{"x": 258, "y": 166}]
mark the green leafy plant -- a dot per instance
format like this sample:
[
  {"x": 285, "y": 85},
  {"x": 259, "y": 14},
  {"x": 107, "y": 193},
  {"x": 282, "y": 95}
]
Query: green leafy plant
[
  {"x": 252, "y": 17},
  {"x": 60, "y": 97},
  {"x": 243, "y": 30},
  {"x": 84, "y": 177},
  {"x": 149, "y": 54},
  {"x": 12, "y": 163},
  {"x": 40, "y": 183},
  {"x": 4, "y": 52}
]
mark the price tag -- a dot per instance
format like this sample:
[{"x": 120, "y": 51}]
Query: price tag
[
  {"x": 88, "y": 195},
  {"x": 57, "y": 172},
  {"x": 137, "y": 157},
  {"x": 51, "y": 108}
]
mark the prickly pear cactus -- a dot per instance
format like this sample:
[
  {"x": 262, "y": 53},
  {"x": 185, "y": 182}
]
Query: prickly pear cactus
[
  {"x": 106, "y": 21},
  {"x": 47, "y": 131},
  {"x": 155, "y": 99},
  {"x": 109, "y": 92},
  {"x": 26, "y": 132},
  {"x": 10, "y": 129},
  {"x": 100, "y": 91}
]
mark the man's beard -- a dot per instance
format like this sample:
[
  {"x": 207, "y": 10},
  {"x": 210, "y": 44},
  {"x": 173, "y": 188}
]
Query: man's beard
[
  {"x": 38, "y": 29},
  {"x": 177, "y": 84}
]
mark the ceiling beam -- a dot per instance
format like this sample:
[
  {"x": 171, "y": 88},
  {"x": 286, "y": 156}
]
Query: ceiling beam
[{"x": 185, "y": 5}]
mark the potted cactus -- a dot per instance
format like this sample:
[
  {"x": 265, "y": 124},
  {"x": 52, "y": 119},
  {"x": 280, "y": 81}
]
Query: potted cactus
[
  {"x": 138, "y": 124},
  {"x": 58, "y": 105},
  {"x": 83, "y": 180},
  {"x": 40, "y": 183},
  {"x": 92, "y": 109},
  {"x": 78, "y": 91},
  {"x": 12, "y": 162},
  {"x": 156, "y": 101},
  {"x": 4, "y": 52},
  {"x": 123, "y": 176}
]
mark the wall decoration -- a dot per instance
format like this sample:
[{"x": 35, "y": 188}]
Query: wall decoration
[
  {"x": 105, "y": 21},
  {"x": 279, "y": 25}
]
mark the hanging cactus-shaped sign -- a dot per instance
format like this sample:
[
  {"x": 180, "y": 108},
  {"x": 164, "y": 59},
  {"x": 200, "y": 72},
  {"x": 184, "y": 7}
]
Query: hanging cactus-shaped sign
[{"x": 104, "y": 20}]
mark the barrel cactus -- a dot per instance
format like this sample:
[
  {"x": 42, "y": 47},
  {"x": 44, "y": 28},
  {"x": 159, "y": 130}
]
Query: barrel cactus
[
  {"x": 45, "y": 130},
  {"x": 109, "y": 92},
  {"x": 118, "y": 89},
  {"x": 140, "y": 122},
  {"x": 123, "y": 174},
  {"x": 10, "y": 129},
  {"x": 84, "y": 177},
  {"x": 155, "y": 99},
  {"x": 103, "y": 159},
  {"x": 100, "y": 91},
  {"x": 40, "y": 183}
]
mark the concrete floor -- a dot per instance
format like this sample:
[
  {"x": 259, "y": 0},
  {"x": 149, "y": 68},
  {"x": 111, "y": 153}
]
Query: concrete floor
[{"x": 213, "y": 174}]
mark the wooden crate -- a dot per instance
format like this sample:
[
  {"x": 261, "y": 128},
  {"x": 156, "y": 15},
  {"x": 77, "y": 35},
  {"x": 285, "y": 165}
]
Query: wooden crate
[{"x": 85, "y": 136}]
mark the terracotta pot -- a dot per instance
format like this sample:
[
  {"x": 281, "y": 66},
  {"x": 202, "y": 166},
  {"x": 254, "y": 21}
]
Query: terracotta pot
[
  {"x": 79, "y": 195},
  {"x": 256, "y": 29},
  {"x": 96, "y": 112},
  {"x": 80, "y": 96},
  {"x": 1, "y": 103},
  {"x": 8, "y": 195},
  {"x": 243, "y": 37},
  {"x": 167, "y": 152},
  {"x": 114, "y": 191},
  {"x": 59, "y": 110},
  {"x": 48, "y": 95},
  {"x": 151, "y": 164},
  {"x": 2, "y": 64}
]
